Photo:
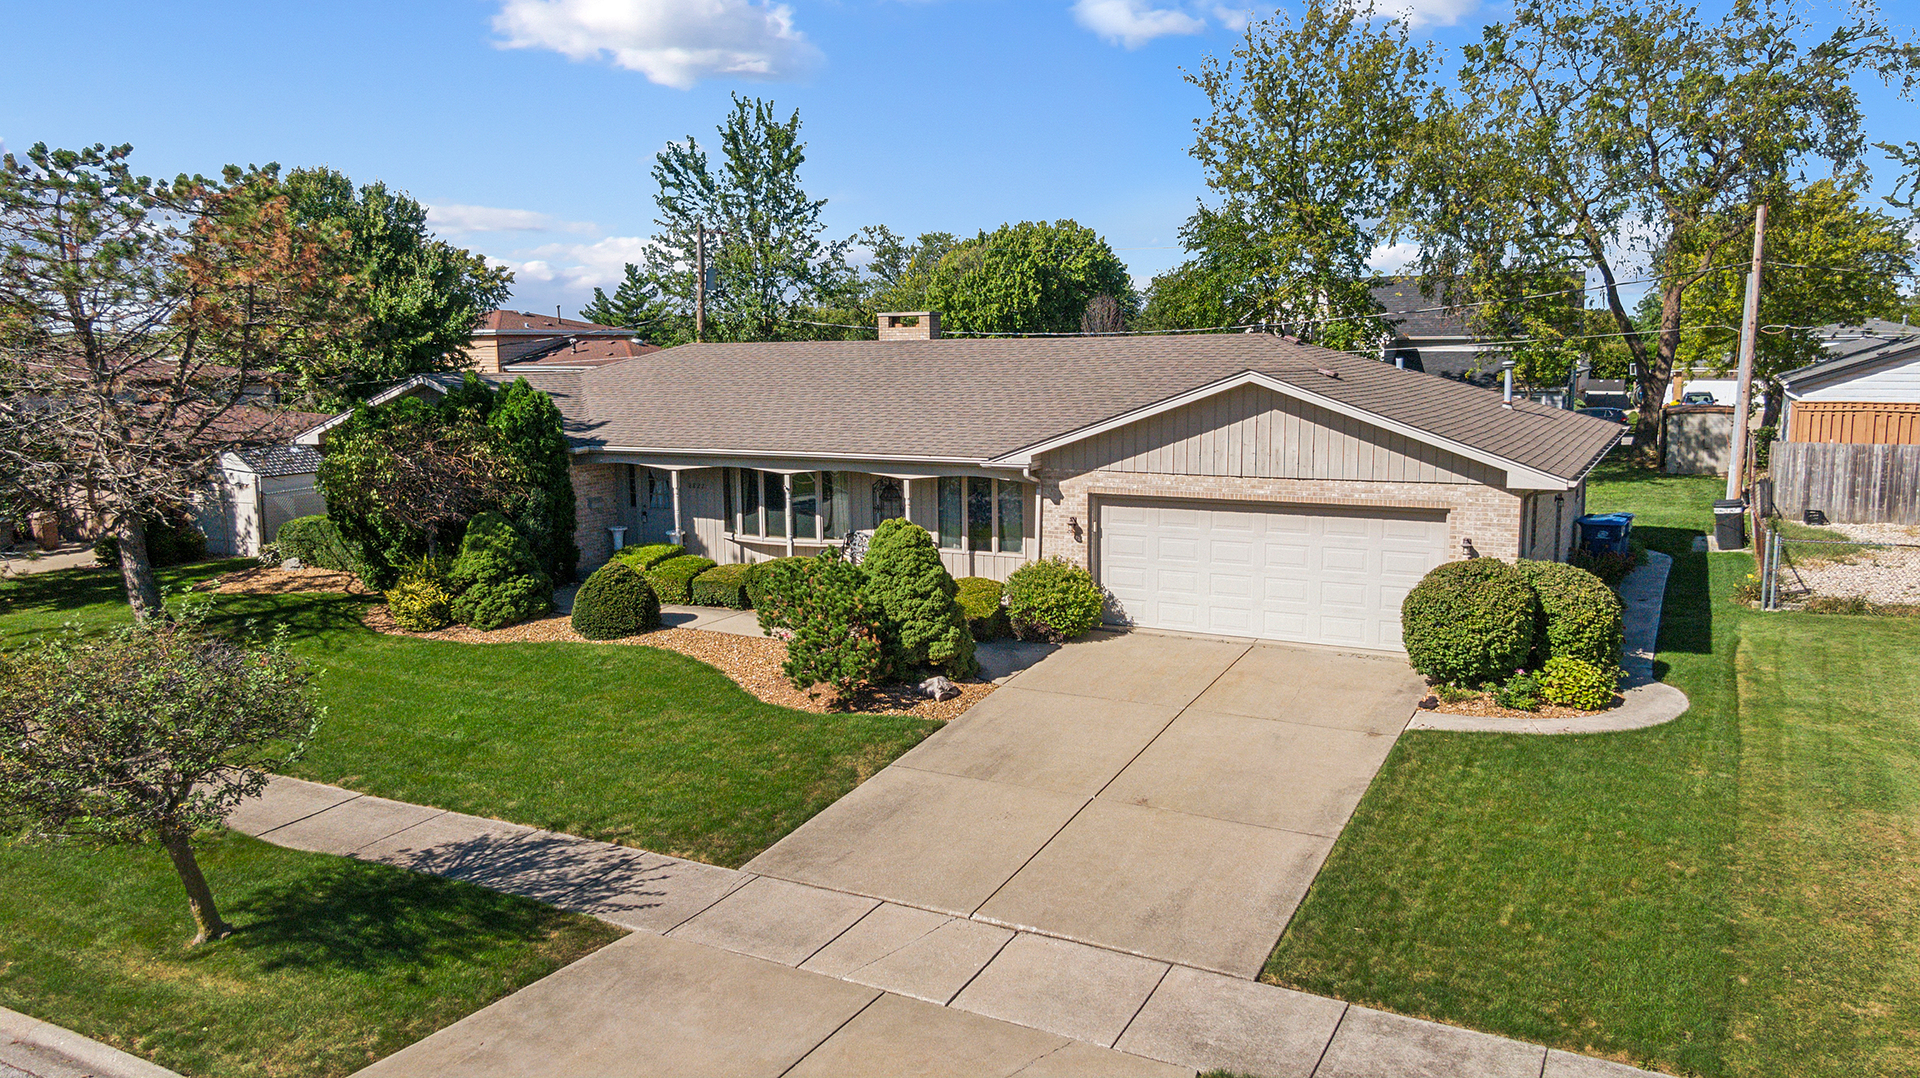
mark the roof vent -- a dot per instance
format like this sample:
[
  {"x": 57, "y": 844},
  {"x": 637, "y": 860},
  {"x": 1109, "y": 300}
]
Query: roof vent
[{"x": 1329, "y": 372}]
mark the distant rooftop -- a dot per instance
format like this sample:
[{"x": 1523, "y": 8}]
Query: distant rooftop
[{"x": 519, "y": 323}]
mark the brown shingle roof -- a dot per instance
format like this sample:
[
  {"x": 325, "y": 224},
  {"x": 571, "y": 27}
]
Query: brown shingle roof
[
  {"x": 587, "y": 353},
  {"x": 983, "y": 399},
  {"x": 519, "y": 322}
]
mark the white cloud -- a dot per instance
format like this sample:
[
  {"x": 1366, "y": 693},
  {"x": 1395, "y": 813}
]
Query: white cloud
[
  {"x": 452, "y": 217},
  {"x": 1392, "y": 258},
  {"x": 1420, "y": 13},
  {"x": 1235, "y": 19},
  {"x": 672, "y": 42},
  {"x": 579, "y": 265},
  {"x": 1133, "y": 23}
]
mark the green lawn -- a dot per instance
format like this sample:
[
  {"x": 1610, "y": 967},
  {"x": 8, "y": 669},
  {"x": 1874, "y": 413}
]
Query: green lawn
[
  {"x": 1733, "y": 893},
  {"x": 338, "y": 963},
  {"x": 627, "y": 744},
  {"x": 335, "y": 964}
]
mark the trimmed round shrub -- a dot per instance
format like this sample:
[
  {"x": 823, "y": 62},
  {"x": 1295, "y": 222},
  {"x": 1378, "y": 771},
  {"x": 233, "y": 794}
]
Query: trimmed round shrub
[
  {"x": 615, "y": 601},
  {"x": 981, "y": 600},
  {"x": 496, "y": 579},
  {"x": 169, "y": 542},
  {"x": 317, "y": 542},
  {"x": 1052, "y": 599},
  {"x": 1579, "y": 615},
  {"x": 920, "y": 618},
  {"x": 672, "y": 579},
  {"x": 1573, "y": 683},
  {"x": 722, "y": 585},
  {"x": 1469, "y": 622},
  {"x": 419, "y": 601},
  {"x": 646, "y": 557}
]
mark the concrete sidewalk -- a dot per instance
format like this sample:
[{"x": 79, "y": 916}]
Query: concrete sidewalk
[
  {"x": 30, "y": 1048},
  {"x": 729, "y": 972}
]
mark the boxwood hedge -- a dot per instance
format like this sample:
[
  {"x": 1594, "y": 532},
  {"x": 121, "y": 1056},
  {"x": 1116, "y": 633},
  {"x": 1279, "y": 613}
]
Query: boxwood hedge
[
  {"x": 980, "y": 598},
  {"x": 672, "y": 579},
  {"x": 1579, "y": 615},
  {"x": 722, "y": 585},
  {"x": 1469, "y": 622},
  {"x": 615, "y": 601}
]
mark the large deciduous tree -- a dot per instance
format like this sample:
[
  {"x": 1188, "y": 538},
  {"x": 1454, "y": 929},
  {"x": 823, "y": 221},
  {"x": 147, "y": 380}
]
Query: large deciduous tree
[
  {"x": 140, "y": 323},
  {"x": 1614, "y": 139},
  {"x": 1031, "y": 277},
  {"x": 768, "y": 247},
  {"x": 1831, "y": 260},
  {"x": 146, "y": 735},
  {"x": 422, "y": 295},
  {"x": 1305, "y": 150}
]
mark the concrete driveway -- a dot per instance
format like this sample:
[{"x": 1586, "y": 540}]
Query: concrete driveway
[{"x": 1168, "y": 796}]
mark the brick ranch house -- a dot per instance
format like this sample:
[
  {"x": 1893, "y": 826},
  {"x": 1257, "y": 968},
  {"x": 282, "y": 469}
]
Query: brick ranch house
[{"x": 1240, "y": 484}]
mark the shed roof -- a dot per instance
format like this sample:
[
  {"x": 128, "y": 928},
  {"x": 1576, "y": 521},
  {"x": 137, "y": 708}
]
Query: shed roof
[{"x": 274, "y": 461}]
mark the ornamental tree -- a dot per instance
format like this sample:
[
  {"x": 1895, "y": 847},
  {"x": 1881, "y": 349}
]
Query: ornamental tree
[
  {"x": 1031, "y": 277},
  {"x": 148, "y": 734}
]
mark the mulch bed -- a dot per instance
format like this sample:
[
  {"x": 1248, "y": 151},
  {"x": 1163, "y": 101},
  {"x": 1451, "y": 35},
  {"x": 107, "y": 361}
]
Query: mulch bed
[
  {"x": 751, "y": 662},
  {"x": 1484, "y": 707}
]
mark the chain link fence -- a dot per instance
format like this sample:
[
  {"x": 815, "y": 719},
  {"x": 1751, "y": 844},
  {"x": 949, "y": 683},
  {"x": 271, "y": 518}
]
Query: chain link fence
[{"x": 1850, "y": 569}]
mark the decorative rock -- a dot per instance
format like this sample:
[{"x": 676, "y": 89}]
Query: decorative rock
[
  {"x": 1428, "y": 703},
  {"x": 939, "y": 688},
  {"x": 293, "y": 563}
]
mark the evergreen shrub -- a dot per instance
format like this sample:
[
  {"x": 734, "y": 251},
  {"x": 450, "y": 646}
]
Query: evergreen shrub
[
  {"x": 836, "y": 638},
  {"x": 981, "y": 600},
  {"x": 317, "y": 542},
  {"x": 773, "y": 587},
  {"x": 615, "y": 601},
  {"x": 1051, "y": 599},
  {"x": 1469, "y": 622},
  {"x": 496, "y": 579},
  {"x": 1579, "y": 616},
  {"x": 672, "y": 579},
  {"x": 646, "y": 557},
  {"x": 722, "y": 585},
  {"x": 920, "y": 618}
]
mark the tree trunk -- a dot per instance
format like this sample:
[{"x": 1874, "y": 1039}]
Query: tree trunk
[
  {"x": 206, "y": 918},
  {"x": 136, "y": 568}
]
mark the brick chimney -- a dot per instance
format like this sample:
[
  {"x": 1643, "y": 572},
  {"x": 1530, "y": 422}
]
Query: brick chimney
[{"x": 909, "y": 325}]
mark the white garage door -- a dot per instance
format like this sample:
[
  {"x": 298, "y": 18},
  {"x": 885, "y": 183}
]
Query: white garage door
[{"x": 1321, "y": 576}]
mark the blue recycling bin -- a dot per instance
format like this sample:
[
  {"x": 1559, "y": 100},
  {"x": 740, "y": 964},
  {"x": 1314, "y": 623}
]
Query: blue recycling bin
[{"x": 1605, "y": 533}]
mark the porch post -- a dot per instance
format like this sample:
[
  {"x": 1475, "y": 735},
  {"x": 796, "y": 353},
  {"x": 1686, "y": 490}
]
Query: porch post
[
  {"x": 786, "y": 484},
  {"x": 906, "y": 498},
  {"x": 678, "y": 535}
]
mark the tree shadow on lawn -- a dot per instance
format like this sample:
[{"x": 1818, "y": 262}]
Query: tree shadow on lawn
[{"x": 366, "y": 917}]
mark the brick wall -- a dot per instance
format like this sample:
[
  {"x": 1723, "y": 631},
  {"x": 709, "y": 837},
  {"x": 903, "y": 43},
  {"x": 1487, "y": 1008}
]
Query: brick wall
[
  {"x": 596, "y": 506},
  {"x": 1488, "y": 516}
]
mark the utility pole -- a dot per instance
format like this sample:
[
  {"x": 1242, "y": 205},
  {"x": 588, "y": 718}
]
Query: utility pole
[
  {"x": 700, "y": 284},
  {"x": 1749, "y": 337}
]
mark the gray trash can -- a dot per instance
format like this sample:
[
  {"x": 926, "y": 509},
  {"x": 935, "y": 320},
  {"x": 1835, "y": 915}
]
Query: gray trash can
[{"x": 1730, "y": 523}]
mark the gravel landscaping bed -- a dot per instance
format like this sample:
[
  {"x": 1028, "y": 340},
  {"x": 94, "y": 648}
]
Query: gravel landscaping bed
[{"x": 753, "y": 663}]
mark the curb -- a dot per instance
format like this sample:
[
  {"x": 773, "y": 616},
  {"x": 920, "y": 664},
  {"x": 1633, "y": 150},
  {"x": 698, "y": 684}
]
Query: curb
[{"x": 100, "y": 1059}]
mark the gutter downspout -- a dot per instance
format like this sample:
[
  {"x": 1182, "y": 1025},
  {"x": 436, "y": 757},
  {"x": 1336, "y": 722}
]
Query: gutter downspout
[{"x": 679, "y": 535}]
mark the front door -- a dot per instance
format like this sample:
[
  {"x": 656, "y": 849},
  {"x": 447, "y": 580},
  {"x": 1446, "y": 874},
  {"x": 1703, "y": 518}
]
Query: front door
[{"x": 649, "y": 498}]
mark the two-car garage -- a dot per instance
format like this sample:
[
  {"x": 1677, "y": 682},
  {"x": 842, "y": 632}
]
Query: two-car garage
[{"x": 1314, "y": 574}]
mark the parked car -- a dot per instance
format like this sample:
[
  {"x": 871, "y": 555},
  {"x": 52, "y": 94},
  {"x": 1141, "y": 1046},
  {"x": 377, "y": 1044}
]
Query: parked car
[
  {"x": 1611, "y": 415},
  {"x": 1698, "y": 396}
]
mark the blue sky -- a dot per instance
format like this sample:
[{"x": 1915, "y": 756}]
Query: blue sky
[{"x": 530, "y": 125}]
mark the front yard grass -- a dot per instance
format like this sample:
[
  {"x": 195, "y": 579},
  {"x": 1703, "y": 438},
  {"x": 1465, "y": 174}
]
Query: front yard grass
[
  {"x": 335, "y": 963},
  {"x": 628, "y": 744},
  {"x": 1733, "y": 893}
]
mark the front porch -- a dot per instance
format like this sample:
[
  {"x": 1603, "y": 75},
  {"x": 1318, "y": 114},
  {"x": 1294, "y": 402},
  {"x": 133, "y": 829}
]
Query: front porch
[{"x": 986, "y": 522}]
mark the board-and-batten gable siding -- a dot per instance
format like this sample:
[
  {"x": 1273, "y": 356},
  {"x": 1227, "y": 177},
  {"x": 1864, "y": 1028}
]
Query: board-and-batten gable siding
[{"x": 1253, "y": 432}]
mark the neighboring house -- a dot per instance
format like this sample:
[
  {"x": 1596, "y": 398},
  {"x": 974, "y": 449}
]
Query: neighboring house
[
  {"x": 513, "y": 338},
  {"x": 1434, "y": 341},
  {"x": 1239, "y": 484},
  {"x": 1869, "y": 393},
  {"x": 258, "y": 490}
]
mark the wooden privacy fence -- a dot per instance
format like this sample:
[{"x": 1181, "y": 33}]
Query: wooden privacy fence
[{"x": 1851, "y": 484}]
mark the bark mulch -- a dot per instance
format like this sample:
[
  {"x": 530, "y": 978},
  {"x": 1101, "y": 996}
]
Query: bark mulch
[
  {"x": 1484, "y": 706},
  {"x": 751, "y": 662}
]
